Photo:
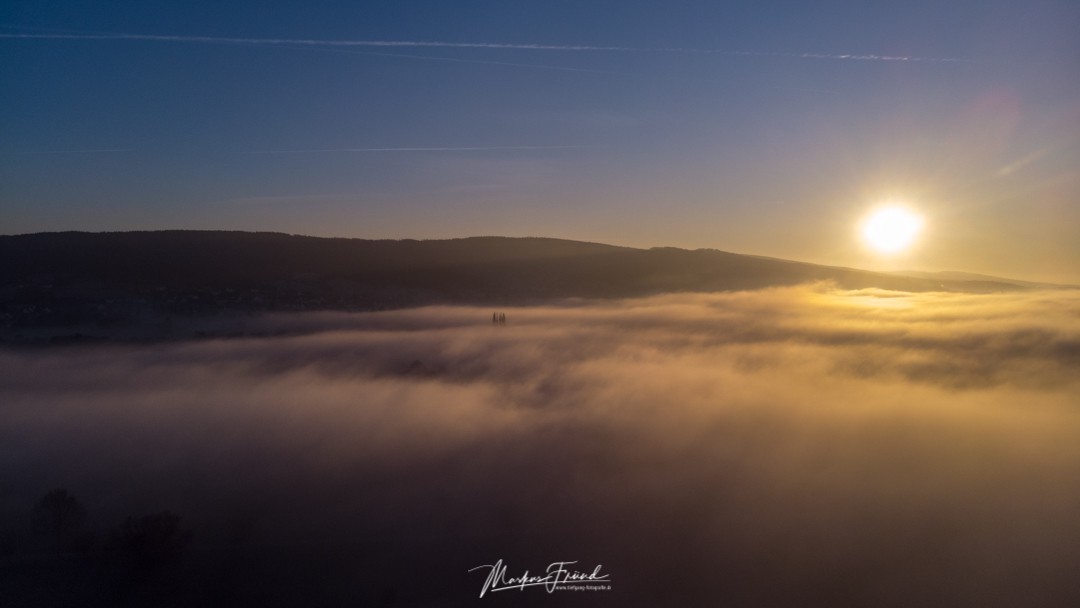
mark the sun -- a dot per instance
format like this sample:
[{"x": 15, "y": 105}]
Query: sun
[{"x": 891, "y": 229}]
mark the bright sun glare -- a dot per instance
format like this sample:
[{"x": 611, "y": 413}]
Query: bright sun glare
[{"x": 891, "y": 229}]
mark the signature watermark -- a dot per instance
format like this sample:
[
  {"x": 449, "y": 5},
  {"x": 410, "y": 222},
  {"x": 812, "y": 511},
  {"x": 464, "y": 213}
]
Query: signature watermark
[{"x": 559, "y": 576}]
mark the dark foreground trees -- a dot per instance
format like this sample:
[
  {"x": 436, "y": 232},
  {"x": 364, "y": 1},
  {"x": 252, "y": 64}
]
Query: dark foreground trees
[
  {"x": 60, "y": 518},
  {"x": 151, "y": 540}
]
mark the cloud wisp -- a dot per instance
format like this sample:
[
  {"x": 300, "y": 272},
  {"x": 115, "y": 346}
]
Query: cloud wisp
[{"x": 780, "y": 447}]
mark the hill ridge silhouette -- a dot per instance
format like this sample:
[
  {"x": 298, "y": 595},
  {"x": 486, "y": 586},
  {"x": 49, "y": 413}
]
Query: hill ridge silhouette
[{"x": 69, "y": 279}]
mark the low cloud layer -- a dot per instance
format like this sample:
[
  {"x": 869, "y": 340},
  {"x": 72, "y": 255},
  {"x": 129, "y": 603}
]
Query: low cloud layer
[{"x": 796, "y": 446}]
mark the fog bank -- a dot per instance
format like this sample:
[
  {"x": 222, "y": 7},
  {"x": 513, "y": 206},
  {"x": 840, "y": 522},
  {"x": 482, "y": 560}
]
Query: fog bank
[{"x": 796, "y": 446}]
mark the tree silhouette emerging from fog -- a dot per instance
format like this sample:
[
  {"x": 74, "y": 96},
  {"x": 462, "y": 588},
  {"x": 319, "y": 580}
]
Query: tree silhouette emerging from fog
[
  {"x": 152, "y": 539},
  {"x": 61, "y": 518}
]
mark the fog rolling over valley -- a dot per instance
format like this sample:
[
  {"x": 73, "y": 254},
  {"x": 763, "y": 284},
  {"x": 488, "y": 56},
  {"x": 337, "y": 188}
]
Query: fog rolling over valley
[
  {"x": 627, "y": 304},
  {"x": 802, "y": 445}
]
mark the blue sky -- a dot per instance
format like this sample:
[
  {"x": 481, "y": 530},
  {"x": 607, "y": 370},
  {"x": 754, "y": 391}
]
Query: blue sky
[{"x": 757, "y": 127}]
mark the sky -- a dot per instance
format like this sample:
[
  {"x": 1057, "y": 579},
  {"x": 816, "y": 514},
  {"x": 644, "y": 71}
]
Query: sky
[{"x": 767, "y": 128}]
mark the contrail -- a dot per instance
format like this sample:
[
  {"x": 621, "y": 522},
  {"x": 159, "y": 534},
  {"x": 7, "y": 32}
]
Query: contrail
[
  {"x": 470, "y": 45},
  {"x": 292, "y": 45},
  {"x": 449, "y": 59},
  {"x": 420, "y": 149},
  {"x": 87, "y": 151},
  {"x": 309, "y": 42}
]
